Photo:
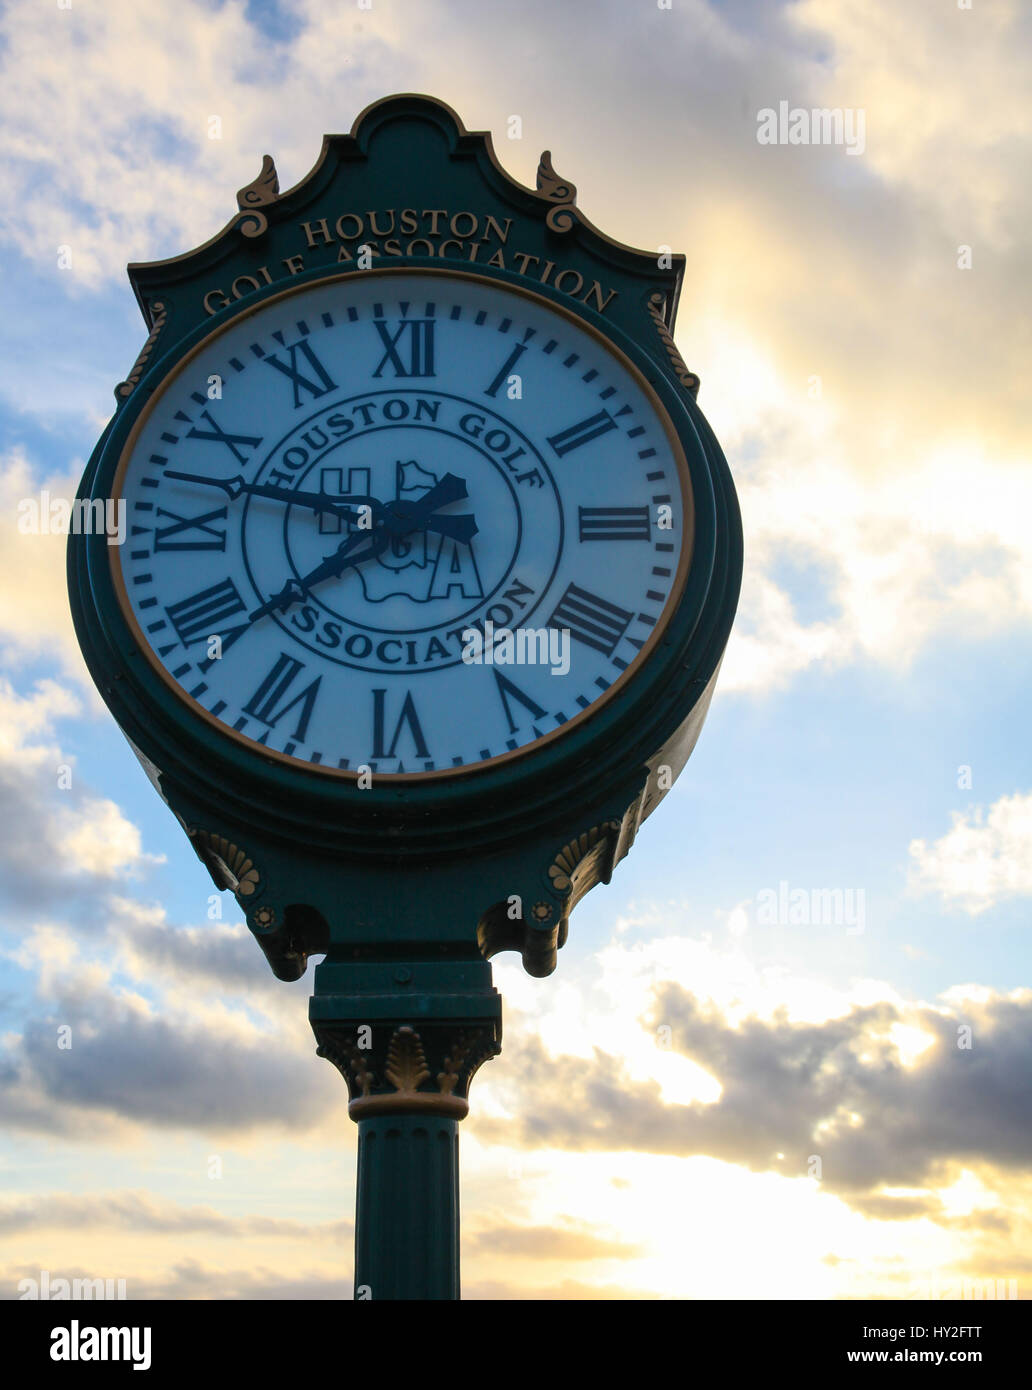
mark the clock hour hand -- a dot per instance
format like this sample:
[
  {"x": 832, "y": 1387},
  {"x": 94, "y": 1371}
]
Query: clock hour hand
[
  {"x": 343, "y": 505},
  {"x": 403, "y": 517},
  {"x": 456, "y": 528}
]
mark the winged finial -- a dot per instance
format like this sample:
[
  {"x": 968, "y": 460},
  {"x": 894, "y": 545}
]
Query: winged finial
[
  {"x": 562, "y": 193},
  {"x": 264, "y": 189},
  {"x": 550, "y": 184}
]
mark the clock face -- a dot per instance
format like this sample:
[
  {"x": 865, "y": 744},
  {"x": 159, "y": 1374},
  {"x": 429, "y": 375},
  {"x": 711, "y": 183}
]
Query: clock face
[{"x": 409, "y": 522}]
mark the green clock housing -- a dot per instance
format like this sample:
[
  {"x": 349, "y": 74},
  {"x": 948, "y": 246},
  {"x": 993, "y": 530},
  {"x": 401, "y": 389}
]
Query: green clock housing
[{"x": 405, "y": 312}]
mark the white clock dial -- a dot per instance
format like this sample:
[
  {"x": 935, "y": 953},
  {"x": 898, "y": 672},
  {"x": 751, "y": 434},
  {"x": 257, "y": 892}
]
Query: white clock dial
[{"x": 340, "y": 504}]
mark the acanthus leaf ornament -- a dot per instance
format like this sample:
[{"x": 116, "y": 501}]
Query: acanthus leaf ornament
[{"x": 406, "y": 1068}]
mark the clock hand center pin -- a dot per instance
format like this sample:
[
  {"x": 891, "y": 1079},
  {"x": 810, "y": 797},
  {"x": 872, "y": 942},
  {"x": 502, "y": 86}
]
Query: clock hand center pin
[{"x": 398, "y": 520}]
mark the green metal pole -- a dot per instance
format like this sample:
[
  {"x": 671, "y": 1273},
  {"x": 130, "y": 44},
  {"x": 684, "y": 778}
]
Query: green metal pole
[{"x": 407, "y": 1209}]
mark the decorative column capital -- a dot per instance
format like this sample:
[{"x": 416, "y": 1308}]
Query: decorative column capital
[
  {"x": 397, "y": 1069},
  {"x": 407, "y": 1038}
]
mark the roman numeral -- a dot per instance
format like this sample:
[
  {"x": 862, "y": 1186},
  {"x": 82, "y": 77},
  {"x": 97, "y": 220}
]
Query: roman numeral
[
  {"x": 276, "y": 687},
  {"x": 201, "y": 524},
  {"x": 200, "y": 616},
  {"x": 407, "y": 718},
  {"x": 508, "y": 690},
  {"x": 316, "y": 385},
  {"x": 221, "y": 436},
  {"x": 582, "y": 433},
  {"x": 614, "y": 523},
  {"x": 506, "y": 370},
  {"x": 592, "y": 620},
  {"x": 415, "y": 339}
]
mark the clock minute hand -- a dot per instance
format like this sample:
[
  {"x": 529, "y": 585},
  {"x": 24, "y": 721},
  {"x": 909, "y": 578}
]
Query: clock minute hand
[
  {"x": 333, "y": 565},
  {"x": 343, "y": 505},
  {"x": 456, "y": 527}
]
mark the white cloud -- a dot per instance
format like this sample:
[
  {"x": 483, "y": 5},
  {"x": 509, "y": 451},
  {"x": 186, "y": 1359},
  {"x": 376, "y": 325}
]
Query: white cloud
[
  {"x": 23, "y": 718},
  {"x": 35, "y": 619},
  {"x": 984, "y": 859},
  {"x": 886, "y": 1070},
  {"x": 897, "y": 59},
  {"x": 152, "y": 1053},
  {"x": 56, "y": 835},
  {"x": 612, "y": 1004},
  {"x": 97, "y": 839},
  {"x": 107, "y": 109},
  {"x": 897, "y": 561}
]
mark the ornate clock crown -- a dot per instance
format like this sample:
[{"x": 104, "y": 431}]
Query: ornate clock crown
[{"x": 365, "y": 188}]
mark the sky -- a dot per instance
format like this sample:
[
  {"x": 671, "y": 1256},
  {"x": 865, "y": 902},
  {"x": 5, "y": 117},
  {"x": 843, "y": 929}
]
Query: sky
[{"x": 712, "y": 1097}]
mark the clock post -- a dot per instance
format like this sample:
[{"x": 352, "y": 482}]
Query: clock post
[
  {"x": 432, "y": 561},
  {"x": 427, "y": 1026}
]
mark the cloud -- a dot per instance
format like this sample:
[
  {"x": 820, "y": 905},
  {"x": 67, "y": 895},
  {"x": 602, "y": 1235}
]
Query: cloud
[
  {"x": 984, "y": 859},
  {"x": 35, "y": 620},
  {"x": 131, "y": 126},
  {"x": 58, "y": 839},
  {"x": 146, "y": 1213},
  {"x": 560, "y": 1242},
  {"x": 97, "y": 839},
  {"x": 21, "y": 718},
  {"x": 885, "y": 1208},
  {"x": 148, "y": 946},
  {"x": 896, "y": 563},
  {"x": 100, "y": 1055},
  {"x": 206, "y": 1069},
  {"x": 912, "y": 138},
  {"x": 192, "y": 1279},
  {"x": 837, "y": 1089},
  {"x": 566, "y": 1290}
]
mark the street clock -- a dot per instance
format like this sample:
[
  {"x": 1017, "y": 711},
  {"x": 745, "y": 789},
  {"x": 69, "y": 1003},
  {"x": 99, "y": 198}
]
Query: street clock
[{"x": 431, "y": 560}]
